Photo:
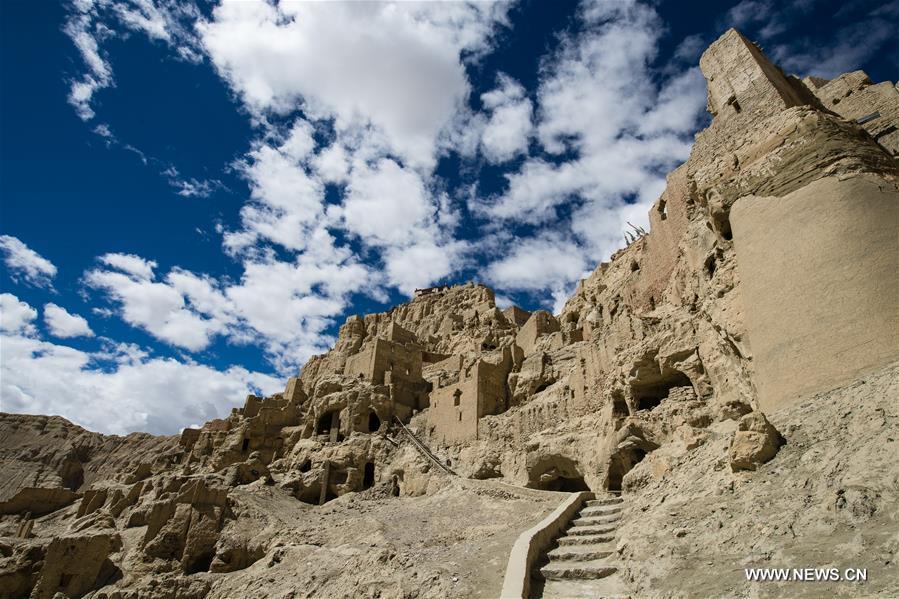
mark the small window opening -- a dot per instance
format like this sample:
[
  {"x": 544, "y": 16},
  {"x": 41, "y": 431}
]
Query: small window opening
[
  {"x": 634, "y": 266},
  {"x": 663, "y": 209},
  {"x": 246, "y": 444},
  {"x": 457, "y": 397},
  {"x": 460, "y": 416}
]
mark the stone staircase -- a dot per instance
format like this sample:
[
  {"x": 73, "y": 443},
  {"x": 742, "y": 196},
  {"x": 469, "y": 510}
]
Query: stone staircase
[{"x": 582, "y": 562}]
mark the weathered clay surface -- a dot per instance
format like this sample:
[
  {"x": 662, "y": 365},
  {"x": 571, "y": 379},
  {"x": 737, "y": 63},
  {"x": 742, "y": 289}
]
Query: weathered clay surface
[{"x": 662, "y": 378}]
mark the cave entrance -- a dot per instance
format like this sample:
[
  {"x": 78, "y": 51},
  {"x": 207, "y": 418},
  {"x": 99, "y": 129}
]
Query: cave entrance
[
  {"x": 564, "y": 484},
  {"x": 368, "y": 475},
  {"x": 620, "y": 464},
  {"x": 374, "y": 422},
  {"x": 329, "y": 424},
  {"x": 556, "y": 473},
  {"x": 654, "y": 388}
]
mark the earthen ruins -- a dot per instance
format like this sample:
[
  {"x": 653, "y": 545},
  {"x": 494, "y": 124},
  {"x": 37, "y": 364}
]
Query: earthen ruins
[{"x": 720, "y": 394}]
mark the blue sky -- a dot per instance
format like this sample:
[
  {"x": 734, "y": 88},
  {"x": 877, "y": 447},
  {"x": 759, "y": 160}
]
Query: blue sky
[{"x": 194, "y": 196}]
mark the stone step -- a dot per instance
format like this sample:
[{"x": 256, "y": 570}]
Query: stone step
[
  {"x": 600, "y": 529},
  {"x": 585, "y": 540},
  {"x": 610, "y": 587},
  {"x": 604, "y": 501},
  {"x": 596, "y": 520},
  {"x": 580, "y": 553},
  {"x": 602, "y": 510},
  {"x": 587, "y": 570}
]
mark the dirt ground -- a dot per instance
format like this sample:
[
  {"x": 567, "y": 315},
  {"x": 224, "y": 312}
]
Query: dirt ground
[
  {"x": 830, "y": 498},
  {"x": 452, "y": 543}
]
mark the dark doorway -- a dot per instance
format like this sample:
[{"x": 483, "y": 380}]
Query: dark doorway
[
  {"x": 620, "y": 464},
  {"x": 368, "y": 476},
  {"x": 374, "y": 423},
  {"x": 649, "y": 394},
  {"x": 563, "y": 483}
]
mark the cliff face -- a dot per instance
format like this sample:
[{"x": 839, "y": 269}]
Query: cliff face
[{"x": 764, "y": 282}]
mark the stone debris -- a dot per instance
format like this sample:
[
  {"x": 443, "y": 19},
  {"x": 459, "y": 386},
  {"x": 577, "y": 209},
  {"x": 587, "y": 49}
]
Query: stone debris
[{"x": 405, "y": 461}]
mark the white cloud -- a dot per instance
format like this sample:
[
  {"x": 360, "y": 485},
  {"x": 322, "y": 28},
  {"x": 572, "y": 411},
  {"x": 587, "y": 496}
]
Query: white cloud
[
  {"x": 386, "y": 204},
  {"x": 286, "y": 202},
  {"x": 190, "y": 187},
  {"x": 395, "y": 66},
  {"x": 158, "y": 308},
  {"x": 91, "y": 22},
  {"x": 81, "y": 30},
  {"x": 690, "y": 48},
  {"x": 26, "y": 264},
  {"x": 284, "y": 306},
  {"x": 63, "y": 324},
  {"x": 506, "y": 133},
  {"x": 120, "y": 390},
  {"x": 16, "y": 316},
  {"x": 419, "y": 264},
  {"x": 135, "y": 266},
  {"x": 608, "y": 133},
  {"x": 544, "y": 262}
]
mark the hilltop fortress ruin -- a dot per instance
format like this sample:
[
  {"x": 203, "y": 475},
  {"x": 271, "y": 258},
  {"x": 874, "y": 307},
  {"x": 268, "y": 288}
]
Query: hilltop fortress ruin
[{"x": 766, "y": 281}]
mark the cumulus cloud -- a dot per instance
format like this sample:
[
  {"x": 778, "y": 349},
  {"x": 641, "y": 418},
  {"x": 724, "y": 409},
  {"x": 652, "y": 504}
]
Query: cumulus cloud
[
  {"x": 548, "y": 261},
  {"x": 121, "y": 389},
  {"x": 386, "y": 204},
  {"x": 284, "y": 306},
  {"x": 157, "y": 307},
  {"x": 24, "y": 264},
  {"x": 506, "y": 133},
  {"x": 63, "y": 324},
  {"x": 16, "y": 316},
  {"x": 355, "y": 63},
  {"x": 134, "y": 266},
  {"x": 286, "y": 203}
]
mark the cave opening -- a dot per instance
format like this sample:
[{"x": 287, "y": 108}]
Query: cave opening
[
  {"x": 648, "y": 395},
  {"x": 374, "y": 422},
  {"x": 556, "y": 473},
  {"x": 329, "y": 424},
  {"x": 620, "y": 464},
  {"x": 368, "y": 475},
  {"x": 564, "y": 484}
]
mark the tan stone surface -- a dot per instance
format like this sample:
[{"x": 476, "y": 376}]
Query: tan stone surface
[{"x": 826, "y": 253}]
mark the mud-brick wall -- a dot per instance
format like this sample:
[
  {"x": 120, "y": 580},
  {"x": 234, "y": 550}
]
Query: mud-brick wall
[{"x": 818, "y": 268}]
